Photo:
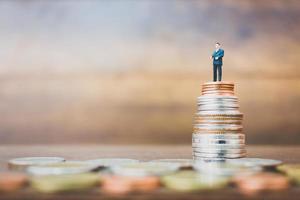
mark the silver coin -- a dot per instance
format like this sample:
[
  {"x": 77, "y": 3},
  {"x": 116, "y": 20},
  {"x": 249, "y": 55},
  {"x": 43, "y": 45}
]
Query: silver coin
[
  {"x": 257, "y": 162},
  {"x": 238, "y": 122},
  {"x": 217, "y": 109},
  {"x": 222, "y": 167},
  {"x": 217, "y": 98},
  {"x": 218, "y": 140},
  {"x": 181, "y": 162},
  {"x": 219, "y": 106},
  {"x": 216, "y": 125},
  {"x": 213, "y": 108},
  {"x": 68, "y": 167},
  {"x": 217, "y": 102},
  {"x": 220, "y": 103},
  {"x": 219, "y": 112},
  {"x": 220, "y": 115},
  {"x": 108, "y": 162},
  {"x": 198, "y": 142},
  {"x": 221, "y": 146},
  {"x": 218, "y": 136},
  {"x": 218, "y": 151},
  {"x": 218, "y": 132},
  {"x": 145, "y": 169},
  {"x": 212, "y": 155},
  {"x": 219, "y": 126},
  {"x": 23, "y": 163},
  {"x": 216, "y": 129},
  {"x": 201, "y": 159},
  {"x": 218, "y": 120}
]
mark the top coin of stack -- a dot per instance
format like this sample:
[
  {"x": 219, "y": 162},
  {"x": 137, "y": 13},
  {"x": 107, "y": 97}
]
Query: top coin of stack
[{"x": 218, "y": 123}]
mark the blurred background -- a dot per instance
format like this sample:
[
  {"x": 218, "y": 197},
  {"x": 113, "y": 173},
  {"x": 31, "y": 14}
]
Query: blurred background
[{"x": 129, "y": 71}]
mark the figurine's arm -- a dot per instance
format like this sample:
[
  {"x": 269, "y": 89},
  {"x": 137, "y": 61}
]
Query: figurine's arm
[{"x": 221, "y": 55}]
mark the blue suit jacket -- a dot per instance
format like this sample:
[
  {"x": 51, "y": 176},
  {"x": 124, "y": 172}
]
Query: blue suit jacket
[{"x": 219, "y": 54}]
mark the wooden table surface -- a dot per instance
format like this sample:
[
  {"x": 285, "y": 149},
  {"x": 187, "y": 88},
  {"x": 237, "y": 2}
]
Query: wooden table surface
[{"x": 288, "y": 154}]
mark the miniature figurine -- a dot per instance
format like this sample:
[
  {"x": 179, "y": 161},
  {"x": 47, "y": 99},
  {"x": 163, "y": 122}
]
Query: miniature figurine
[{"x": 217, "y": 57}]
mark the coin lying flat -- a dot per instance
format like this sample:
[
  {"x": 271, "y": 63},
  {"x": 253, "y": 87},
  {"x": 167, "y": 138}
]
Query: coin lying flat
[
  {"x": 198, "y": 142},
  {"x": 125, "y": 184},
  {"x": 180, "y": 162},
  {"x": 68, "y": 167},
  {"x": 217, "y": 132},
  {"x": 223, "y": 168},
  {"x": 217, "y": 112},
  {"x": 218, "y": 122},
  {"x": 218, "y": 155},
  {"x": 10, "y": 181},
  {"x": 292, "y": 170},
  {"x": 221, "y": 146},
  {"x": 23, "y": 163},
  {"x": 193, "y": 181},
  {"x": 108, "y": 162},
  {"x": 252, "y": 184},
  {"x": 217, "y": 98},
  {"x": 208, "y": 127},
  {"x": 144, "y": 169},
  {"x": 64, "y": 183},
  {"x": 219, "y": 136},
  {"x": 220, "y": 108},
  {"x": 201, "y": 151},
  {"x": 257, "y": 162}
]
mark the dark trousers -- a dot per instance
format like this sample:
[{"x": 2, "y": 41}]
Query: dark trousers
[{"x": 217, "y": 72}]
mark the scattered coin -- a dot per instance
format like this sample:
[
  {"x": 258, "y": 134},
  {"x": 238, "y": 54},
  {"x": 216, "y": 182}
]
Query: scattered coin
[
  {"x": 126, "y": 184},
  {"x": 10, "y": 181},
  {"x": 255, "y": 183},
  {"x": 292, "y": 170},
  {"x": 23, "y": 163},
  {"x": 223, "y": 168},
  {"x": 181, "y": 162},
  {"x": 191, "y": 181},
  {"x": 65, "y": 183},
  {"x": 108, "y": 162},
  {"x": 144, "y": 169},
  {"x": 257, "y": 162},
  {"x": 68, "y": 167}
]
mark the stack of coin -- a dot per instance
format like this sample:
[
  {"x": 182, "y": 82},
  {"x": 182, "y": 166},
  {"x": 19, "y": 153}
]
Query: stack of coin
[{"x": 218, "y": 123}]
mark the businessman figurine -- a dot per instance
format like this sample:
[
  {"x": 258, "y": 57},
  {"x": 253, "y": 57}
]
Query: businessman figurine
[{"x": 217, "y": 57}]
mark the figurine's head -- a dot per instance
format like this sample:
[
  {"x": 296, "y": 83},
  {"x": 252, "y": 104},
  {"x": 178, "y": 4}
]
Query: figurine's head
[{"x": 218, "y": 45}]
